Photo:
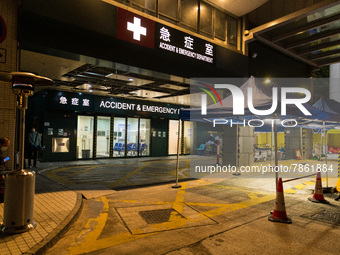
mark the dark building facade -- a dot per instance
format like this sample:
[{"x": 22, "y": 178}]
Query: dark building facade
[{"x": 142, "y": 51}]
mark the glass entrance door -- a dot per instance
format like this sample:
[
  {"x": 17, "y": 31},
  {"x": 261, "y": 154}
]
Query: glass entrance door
[
  {"x": 173, "y": 137},
  {"x": 187, "y": 136},
  {"x": 119, "y": 137},
  {"x": 144, "y": 137},
  {"x": 85, "y": 137},
  {"x": 132, "y": 137},
  {"x": 103, "y": 137}
]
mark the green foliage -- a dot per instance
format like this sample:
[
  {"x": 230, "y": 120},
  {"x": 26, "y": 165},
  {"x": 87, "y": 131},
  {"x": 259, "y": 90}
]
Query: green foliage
[{"x": 323, "y": 72}]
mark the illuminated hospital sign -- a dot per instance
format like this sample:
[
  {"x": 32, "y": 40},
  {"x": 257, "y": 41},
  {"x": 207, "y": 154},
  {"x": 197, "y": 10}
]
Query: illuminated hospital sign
[
  {"x": 125, "y": 107},
  {"x": 180, "y": 43},
  {"x": 138, "y": 107},
  {"x": 148, "y": 33}
]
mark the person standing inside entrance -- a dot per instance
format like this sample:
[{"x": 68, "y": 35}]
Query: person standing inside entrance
[{"x": 34, "y": 144}]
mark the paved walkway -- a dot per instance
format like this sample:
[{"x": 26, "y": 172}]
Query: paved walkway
[{"x": 54, "y": 209}]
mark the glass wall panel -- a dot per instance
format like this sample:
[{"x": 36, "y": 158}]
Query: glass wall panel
[
  {"x": 232, "y": 31},
  {"x": 132, "y": 137},
  {"x": 206, "y": 18},
  {"x": 219, "y": 24},
  {"x": 103, "y": 137},
  {"x": 119, "y": 137},
  {"x": 213, "y": 22},
  {"x": 173, "y": 136},
  {"x": 188, "y": 135},
  {"x": 147, "y": 6},
  {"x": 189, "y": 11},
  {"x": 144, "y": 137},
  {"x": 85, "y": 137},
  {"x": 168, "y": 8}
]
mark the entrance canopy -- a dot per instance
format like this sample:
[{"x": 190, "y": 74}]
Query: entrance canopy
[
  {"x": 330, "y": 114},
  {"x": 328, "y": 105}
]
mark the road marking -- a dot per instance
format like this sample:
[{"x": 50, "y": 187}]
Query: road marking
[
  {"x": 226, "y": 187},
  {"x": 88, "y": 239},
  {"x": 151, "y": 174},
  {"x": 290, "y": 191},
  {"x": 121, "y": 180},
  {"x": 64, "y": 179},
  {"x": 252, "y": 195},
  {"x": 182, "y": 170},
  {"x": 300, "y": 186},
  {"x": 92, "y": 229},
  {"x": 224, "y": 208},
  {"x": 70, "y": 171},
  {"x": 53, "y": 174},
  {"x": 178, "y": 204}
]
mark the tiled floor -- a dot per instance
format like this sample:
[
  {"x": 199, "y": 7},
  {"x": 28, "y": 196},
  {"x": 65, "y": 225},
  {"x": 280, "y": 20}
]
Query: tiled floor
[{"x": 52, "y": 204}]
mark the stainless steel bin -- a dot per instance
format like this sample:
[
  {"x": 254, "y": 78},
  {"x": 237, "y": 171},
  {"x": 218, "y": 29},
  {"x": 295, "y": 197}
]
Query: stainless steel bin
[{"x": 19, "y": 202}]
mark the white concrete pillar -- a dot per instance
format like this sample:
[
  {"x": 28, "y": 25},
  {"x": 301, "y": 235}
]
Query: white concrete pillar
[{"x": 334, "y": 86}]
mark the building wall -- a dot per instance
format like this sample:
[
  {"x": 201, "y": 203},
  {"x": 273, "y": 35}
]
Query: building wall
[
  {"x": 274, "y": 9},
  {"x": 272, "y": 63},
  {"x": 239, "y": 150},
  {"x": 8, "y": 63},
  {"x": 96, "y": 37}
]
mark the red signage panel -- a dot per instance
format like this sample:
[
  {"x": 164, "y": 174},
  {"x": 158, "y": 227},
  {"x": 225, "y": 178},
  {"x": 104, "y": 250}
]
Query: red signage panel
[{"x": 135, "y": 28}]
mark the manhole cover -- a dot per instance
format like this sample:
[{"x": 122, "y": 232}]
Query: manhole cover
[
  {"x": 157, "y": 216},
  {"x": 325, "y": 216}
]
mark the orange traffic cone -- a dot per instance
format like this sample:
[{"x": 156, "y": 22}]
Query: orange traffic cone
[
  {"x": 279, "y": 214},
  {"x": 298, "y": 155},
  {"x": 318, "y": 193}
]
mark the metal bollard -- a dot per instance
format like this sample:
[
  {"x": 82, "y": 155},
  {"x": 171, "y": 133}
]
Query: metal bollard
[{"x": 19, "y": 202}]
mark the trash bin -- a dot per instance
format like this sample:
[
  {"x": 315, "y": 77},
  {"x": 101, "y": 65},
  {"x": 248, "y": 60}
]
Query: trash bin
[
  {"x": 19, "y": 202},
  {"x": 85, "y": 153}
]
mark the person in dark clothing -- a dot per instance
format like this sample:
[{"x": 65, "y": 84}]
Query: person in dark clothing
[
  {"x": 34, "y": 144},
  {"x": 4, "y": 143}
]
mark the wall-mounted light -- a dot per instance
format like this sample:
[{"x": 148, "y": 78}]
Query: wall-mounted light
[{"x": 267, "y": 81}]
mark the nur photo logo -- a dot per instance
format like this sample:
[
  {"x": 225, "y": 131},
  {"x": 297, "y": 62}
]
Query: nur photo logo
[{"x": 239, "y": 100}]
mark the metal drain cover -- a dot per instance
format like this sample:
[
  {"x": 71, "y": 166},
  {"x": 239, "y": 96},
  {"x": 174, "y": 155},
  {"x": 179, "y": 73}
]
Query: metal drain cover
[
  {"x": 157, "y": 216},
  {"x": 325, "y": 216}
]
